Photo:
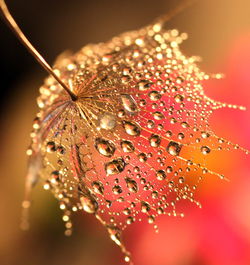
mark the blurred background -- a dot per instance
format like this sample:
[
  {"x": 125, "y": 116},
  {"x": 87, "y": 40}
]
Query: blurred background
[{"x": 217, "y": 234}]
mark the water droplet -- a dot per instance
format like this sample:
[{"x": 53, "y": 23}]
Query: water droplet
[
  {"x": 130, "y": 220},
  {"x": 115, "y": 166},
  {"x": 117, "y": 189},
  {"x": 181, "y": 136},
  {"x": 125, "y": 79},
  {"x": 169, "y": 133},
  {"x": 55, "y": 177},
  {"x": 127, "y": 71},
  {"x": 154, "y": 194},
  {"x": 98, "y": 187},
  {"x": 158, "y": 115},
  {"x": 121, "y": 113},
  {"x": 178, "y": 98},
  {"x": 155, "y": 140},
  {"x": 205, "y": 135},
  {"x": 142, "y": 157},
  {"x": 131, "y": 128},
  {"x": 160, "y": 174},
  {"x": 89, "y": 204},
  {"x": 46, "y": 185},
  {"x": 127, "y": 211},
  {"x": 169, "y": 169},
  {"x": 174, "y": 148},
  {"x": 104, "y": 147},
  {"x": 151, "y": 219},
  {"x": 127, "y": 258},
  {"x": 184, "y": 124},
  {"x": 51, "y": 147},
  {"x": 61, "y": 150},
  {"x": 150, "y": 124},
  {"x": 179, "y": 80},
  {"x": 107, "y": 121},
  {"x": 128, "y": 103},
  {"x": 145, "y": 207},
  {"x": 131, "y": 185},
  {"x": 154, "y": 95},
  {"x": 205, "y": 150},
  {"x": 144, "y": 85},
  {"x": 127, "y": 146},
  {"x": 181, "y": 180},
  {"x": 115, "y": 234},
  {"x": 160, "y": 210}
]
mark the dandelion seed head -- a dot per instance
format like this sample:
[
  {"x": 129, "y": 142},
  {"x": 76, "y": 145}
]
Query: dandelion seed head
[{"x": 124, "y": 150}]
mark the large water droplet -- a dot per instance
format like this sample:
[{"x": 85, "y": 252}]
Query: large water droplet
[{"x": 104, "y": 147}]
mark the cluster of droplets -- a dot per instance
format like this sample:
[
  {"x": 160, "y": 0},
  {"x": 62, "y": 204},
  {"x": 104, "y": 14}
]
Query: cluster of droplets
[{"x": 124, "y": 149}]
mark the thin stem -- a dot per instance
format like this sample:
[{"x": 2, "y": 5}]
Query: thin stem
[
  {"x": 17, "y": 31},
  {"x": 164, "y": 18}
]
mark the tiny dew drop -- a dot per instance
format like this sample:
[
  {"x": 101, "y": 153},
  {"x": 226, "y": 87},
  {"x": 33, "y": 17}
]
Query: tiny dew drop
[
  {"x": 145, "y": 207},
  {"x": 117, "y": 189},
  {"x": 205, "y": 150},
  {"x": 154, "y": 95},
  {"x": 51, "y": 147},
  {"x": 127, "y": 258},
  {"x": 178, "y": 98},
  {"x": 205, "y": 135},
  {"x": 144, "y": 85},
  {"x": 151, "y": 219}
]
